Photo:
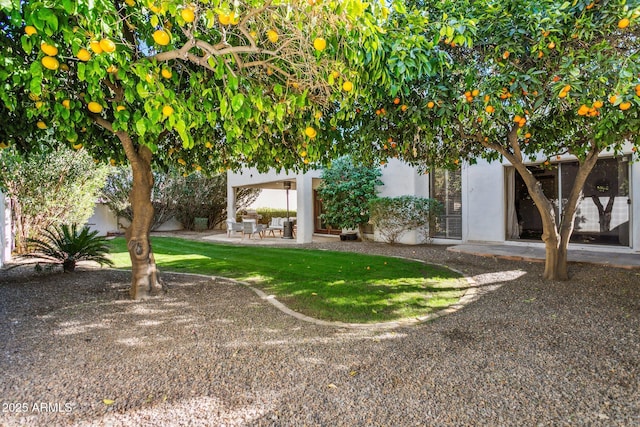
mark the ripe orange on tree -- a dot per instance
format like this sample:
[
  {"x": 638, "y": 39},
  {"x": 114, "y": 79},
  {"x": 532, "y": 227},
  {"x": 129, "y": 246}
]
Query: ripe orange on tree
[
  {"x": 224, "y": 18},
  {"x": 94, "y": 107},
  {"x": 48, "y": 49},
  {"x": 188, "y": 15},
  {"x": 108, "y": 45},
  {"x": 95, "y": 47},
  {"x": 167, "y": 110},
  {"x": 83, "y": 55},
  {"x": 310, "y": 132},
  {"x": 51, "y": 63},
  {"x": 161, "y": 37}
]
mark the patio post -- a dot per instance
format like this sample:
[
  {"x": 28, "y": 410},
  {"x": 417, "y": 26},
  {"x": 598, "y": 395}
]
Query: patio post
[
  {"x": 304, "y": 211},
  {"x": 231, "y": 203}
]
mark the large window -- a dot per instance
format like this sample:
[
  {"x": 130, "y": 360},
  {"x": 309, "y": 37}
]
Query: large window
[
  {"x": 446, "y": 187},
  {"x": 603, "y": 211}
]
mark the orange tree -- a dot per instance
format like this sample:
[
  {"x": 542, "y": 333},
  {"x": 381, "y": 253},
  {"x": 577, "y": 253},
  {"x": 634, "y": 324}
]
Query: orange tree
[
  {"x": 198, "y": 85},
  {"x": 525, "y": 81}
]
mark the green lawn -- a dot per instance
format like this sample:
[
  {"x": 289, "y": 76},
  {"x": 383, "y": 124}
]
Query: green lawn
[{"x": 328, "y": 285}]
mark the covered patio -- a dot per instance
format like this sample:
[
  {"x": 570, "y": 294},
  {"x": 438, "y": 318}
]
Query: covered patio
[{"x": 300, "y": 186}]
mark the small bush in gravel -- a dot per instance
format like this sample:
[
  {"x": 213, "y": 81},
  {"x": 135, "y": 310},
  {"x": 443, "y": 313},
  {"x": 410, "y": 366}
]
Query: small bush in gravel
[
  {"x": 394, "y": 216},
  {"x": 66, "y": 245}
]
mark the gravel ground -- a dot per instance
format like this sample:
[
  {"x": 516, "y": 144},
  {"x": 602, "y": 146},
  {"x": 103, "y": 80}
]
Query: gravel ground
[{"x": 211, "y": 352}]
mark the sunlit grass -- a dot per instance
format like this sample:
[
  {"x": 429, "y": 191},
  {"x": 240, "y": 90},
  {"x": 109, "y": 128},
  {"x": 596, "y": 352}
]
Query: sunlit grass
[{"x": 328, "y": 285}]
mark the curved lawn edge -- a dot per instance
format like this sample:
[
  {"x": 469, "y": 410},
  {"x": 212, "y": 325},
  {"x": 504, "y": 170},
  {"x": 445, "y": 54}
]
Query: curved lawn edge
[{"x": 468, "y": 297}]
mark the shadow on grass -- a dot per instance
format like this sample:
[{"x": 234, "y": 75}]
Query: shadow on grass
[{"x": 328, "y": 285}]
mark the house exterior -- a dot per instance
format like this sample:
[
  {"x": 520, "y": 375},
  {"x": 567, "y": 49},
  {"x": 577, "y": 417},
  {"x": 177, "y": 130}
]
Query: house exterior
[{"x": 488, "y": 202}]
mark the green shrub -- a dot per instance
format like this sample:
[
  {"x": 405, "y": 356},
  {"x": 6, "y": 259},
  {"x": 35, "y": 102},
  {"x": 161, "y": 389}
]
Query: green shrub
[
  {"x": 394, "y": 216},
  {"x": 66, "y": 246},
  {"x": 345, "y": 191},
  {"x": 49, "y": 187},
  {"x": 268, "y": 213}
]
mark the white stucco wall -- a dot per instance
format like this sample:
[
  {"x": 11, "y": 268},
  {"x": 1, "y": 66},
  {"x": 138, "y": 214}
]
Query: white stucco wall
[
  {"x": 483, "y": 197},
  {"x": 103, "y": 220},
  {"x": 483, "y": 202},
  {"x": 400, "y": 179}
]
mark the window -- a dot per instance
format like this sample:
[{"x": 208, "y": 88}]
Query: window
[
  {"x": 603, "y": 211},
  {"x": 446, "y": 187}
]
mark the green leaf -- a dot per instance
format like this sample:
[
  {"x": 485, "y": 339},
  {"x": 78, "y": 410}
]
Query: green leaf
[
  {"x": 36, "y": 85},
  {"x": 141, "y": 127},
  {"x": 224, "y": 106},
  {"x": 81, "y": 71},
  {"x": 27, "y": 46},
  {"x": 233, "y": 83},
  {"x": 281, "y": 109},
  {"x": 68, "y": 6},
  {"x": 46, "y": 15},
  {"x": 237, "y": 101}
]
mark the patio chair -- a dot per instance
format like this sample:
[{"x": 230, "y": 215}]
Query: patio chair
[
  {"x": 276, "y": 224},
  {"x": 252, "y": 227},
  {"x": 233, "y": 226}
]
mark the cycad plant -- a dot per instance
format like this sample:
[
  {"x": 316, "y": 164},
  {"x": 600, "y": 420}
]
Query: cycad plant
[{"x": 66, "y": 245}]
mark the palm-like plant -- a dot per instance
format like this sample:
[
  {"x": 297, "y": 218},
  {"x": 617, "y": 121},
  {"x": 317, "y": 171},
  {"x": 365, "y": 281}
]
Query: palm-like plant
[{"x": 66, "y": 245}]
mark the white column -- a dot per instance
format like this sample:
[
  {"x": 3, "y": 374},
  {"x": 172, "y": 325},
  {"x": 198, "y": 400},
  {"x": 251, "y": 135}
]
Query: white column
[
  {"x": 304, "y": 210},
  {"x": 231, "y": 201}
]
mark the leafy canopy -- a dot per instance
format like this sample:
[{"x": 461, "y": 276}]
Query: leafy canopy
[
  {"x": 205, "y": 85},
  {"x": 519, "y": 77}
]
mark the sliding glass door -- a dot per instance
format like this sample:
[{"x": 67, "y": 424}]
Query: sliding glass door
[{"x": 603, "y": 211}]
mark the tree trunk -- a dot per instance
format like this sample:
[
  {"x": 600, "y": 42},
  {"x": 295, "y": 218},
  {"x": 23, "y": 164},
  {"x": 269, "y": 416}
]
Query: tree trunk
[
  {"x": 571, "y": 208},
  {"x": 144, "y": 281},
  {"x": 555, "y": 236},
  {"x": 18, "y": 222},
  {"x": 604, "y": 213}
]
